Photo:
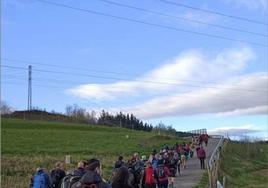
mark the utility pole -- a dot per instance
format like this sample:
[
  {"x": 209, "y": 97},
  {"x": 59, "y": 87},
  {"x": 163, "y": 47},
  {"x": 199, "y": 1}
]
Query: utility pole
[{"x": 29, "y": 87}]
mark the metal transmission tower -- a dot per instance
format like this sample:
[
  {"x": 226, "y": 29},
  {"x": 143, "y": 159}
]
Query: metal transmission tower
[{"x": 30, "y": 87}]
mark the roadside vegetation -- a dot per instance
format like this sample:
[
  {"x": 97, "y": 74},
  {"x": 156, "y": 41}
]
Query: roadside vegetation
[
  {"x": 203, "y": 183},
  {"x": 27, "y": 144},
  {"x": 245, "y": 164}
]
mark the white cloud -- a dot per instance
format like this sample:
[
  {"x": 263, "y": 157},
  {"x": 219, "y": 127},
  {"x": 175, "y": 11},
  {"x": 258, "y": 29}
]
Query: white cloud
[
  {"x": 221, "y": 99},
  {"x": 235, "y": 130},
  {"x": 247, "y": 111},
  {"x": 250, "y": 4},
  {"x": 195, "y": 17},
  {"x": 226, "y": 94},
  {"x": 189, "y": 65}
]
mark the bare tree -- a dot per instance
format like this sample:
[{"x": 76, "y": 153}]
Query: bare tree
[{"x": 5, "y": 109}]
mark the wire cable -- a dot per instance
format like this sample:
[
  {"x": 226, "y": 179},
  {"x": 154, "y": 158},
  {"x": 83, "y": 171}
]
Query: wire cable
[
  {"x": 214, "y": 12},
  {"x": 183, "y": 18},
  {"x": 132, "y": 80},
  {"x": 151, "y": 24},
  {"x": 110, "y": 72}
]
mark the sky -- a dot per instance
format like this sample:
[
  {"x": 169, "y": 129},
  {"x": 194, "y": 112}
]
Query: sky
[{"x": 157, "y": 59}]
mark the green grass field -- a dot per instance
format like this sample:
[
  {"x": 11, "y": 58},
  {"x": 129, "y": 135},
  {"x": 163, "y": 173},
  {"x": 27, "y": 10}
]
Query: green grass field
[
  {"x": 27, "y": 144},
  {"x": 245, "y": 165}
]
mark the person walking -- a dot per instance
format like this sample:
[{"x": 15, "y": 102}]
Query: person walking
[
  {"x": 120, "y": 179},
  {"x": 163, "y": 174},
  {"x": 57, "y": 174},
  {"x": 92, "y": 178},
  {"x": 150, "y": 179},
  {"x": 80, "y": 171},
  {"x": 201, "y": 154},
  {"x": 40, "y": 179}
]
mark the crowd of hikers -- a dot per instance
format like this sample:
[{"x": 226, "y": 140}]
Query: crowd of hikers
[{"x": 159, "y": 169}]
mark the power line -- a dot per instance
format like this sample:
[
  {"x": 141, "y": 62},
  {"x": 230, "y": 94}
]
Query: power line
[
  {"x": 38, "y": 85},
  {"x": 100, "y": 71},
  {"x": 61, "y": 66},
  {"x": 42, "y": 79},
  {"x": 183, "y": 18},
  {"x": 151, "y": 24},
  {"x": 234, "y": 86},
  {"x": 4, "y": 75},
  {"x": 132, "y": 80},
  {"x": 214, "y": 12},
  {"x": 182, "y": 91},
  {"x": 189, "y": 95}
]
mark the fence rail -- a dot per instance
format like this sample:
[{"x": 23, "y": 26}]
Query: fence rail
[{"x": 213, "y": 164}]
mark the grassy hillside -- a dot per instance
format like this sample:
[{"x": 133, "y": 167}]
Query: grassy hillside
[
  {"x": 26, "y": 144},
  {"x": 245, "y": 165}
]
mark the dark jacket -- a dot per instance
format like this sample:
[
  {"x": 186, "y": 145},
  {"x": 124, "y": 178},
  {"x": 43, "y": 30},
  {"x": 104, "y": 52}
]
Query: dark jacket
[
  {"x": 119, "y": 163},
  {"x": 120, "y": 185},
  {"x": 79, "y": 172},
  {"x": 56, "y": 176},
  {"x": 91, "y": 177}
]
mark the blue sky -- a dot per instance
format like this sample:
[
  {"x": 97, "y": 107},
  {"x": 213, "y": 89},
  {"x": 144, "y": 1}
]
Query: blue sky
[{"x": 179, "y": 78}]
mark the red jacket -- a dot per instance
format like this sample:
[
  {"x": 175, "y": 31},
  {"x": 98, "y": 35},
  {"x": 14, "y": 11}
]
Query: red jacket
[
  {"x": 149, "y": 176},
  {"x": 201, "y": 153}
]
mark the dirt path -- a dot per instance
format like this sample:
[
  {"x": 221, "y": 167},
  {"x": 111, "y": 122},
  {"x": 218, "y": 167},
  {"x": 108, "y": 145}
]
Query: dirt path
[{"x": 192, "y": 174}]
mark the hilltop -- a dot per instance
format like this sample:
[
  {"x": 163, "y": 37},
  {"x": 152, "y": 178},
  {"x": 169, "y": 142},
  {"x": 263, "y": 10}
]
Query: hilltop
[{"x": 38, "y": 115}]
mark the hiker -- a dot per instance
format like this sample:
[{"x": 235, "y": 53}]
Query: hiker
[
  {"x": 150, "y": 179},
  {"x": 135, "y": 166},
  {"x": 206, "y": 139},
  {"x": 144, "y": 159},
  {"x": 80, "y": 171},
  {"x": 40, "y": 179},
  {"x": 183, "y": 158},
  {"x": 177, "y": 157},
  {"x": 188, "y": 150},
  {"x": 201, "y": 154},
  {"x": 162, "y": 174},
  {"x": 92, "y": 178},
  {"x": 154, "y": 152},
  {"x": 191, "y": 149},
  {"x": 172, "y": 166},
  {"x": 57, "y": 174},
  {"x": 153, "y": 160},
  {"x": 120, "y": 179},
  {"x": 200, "y": 139},
  {"x": 119, "y": 162}
]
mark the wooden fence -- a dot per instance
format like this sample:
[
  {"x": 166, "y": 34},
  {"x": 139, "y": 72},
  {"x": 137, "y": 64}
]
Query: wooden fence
[{"x": 214, "y": 163}]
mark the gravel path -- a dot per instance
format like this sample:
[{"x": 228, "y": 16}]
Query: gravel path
[{"x": 192, "y": 174}]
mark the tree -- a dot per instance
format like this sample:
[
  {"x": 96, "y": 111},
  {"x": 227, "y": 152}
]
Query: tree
[{"x": 5, "y": 109}]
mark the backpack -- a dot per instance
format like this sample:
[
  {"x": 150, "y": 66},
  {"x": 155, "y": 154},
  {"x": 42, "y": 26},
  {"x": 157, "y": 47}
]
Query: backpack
[
  {"x": 90, "y": 185},
  {"x": 39, "y": 180},
  {"x": 173, "y": 162},
  {"x": 56, "y": 176},
  {"x": 69, "y": 180},
  {"x": 118, "y": 164},
  {"x": 191, "y": 153},
  {"x": 137, "y": 172},
  {"x": 161, "y": 172}
]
